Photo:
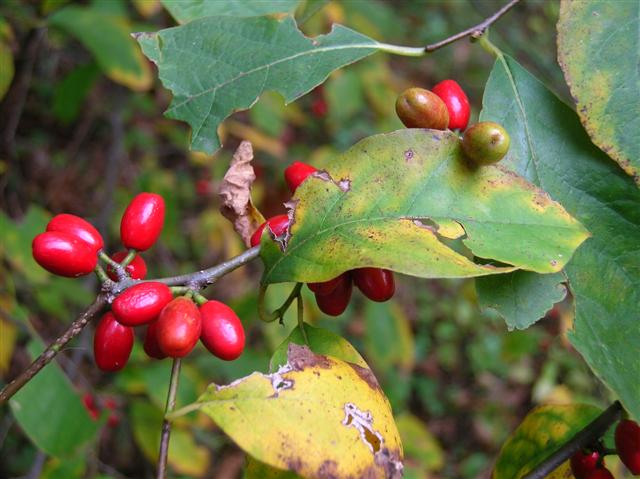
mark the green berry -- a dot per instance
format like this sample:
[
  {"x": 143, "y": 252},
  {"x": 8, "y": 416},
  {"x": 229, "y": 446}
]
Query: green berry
[
  {"x": 485, "y": 143},
  {"x": 420, "y": 108}
]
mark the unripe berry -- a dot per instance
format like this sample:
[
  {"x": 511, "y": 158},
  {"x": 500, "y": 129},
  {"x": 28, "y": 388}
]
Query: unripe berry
[
  {"x": 456, "y": 101},
  {"x": 485, "y": 143},
  {"x": 112, "y": 343},
  {"x": 420, "y": 108},
  {"x": 141, "y": 303},
  {"x": 150, "y": 345},
  {"x": 64, "y": 254},
  {"x": 278, "y": 225},
  {"x": 337, "y": 301},
  {"x": 137, "y": 269},
  {"x": 627, "y": 440},
  {"x": 142, "y": 221},
  {"x": 178, "y": 327},
  {"x": 78, "y": 227},
  {"x": 377, "y": 284},
  {"x": 583, "y": 464},
  {"x": 222, "y": 332},
  {"x": 296, "y": 173}
]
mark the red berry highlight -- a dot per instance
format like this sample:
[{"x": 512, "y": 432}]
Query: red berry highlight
[
  {"x": 142, "y": 221},
  {"x": 141, "y": 303},
  {"x": 112, "y": 343},
  {"x": 137, "y": 269},
  {"x": 222, "y": 332},
  {"x": 337, "y": 301},
  {"x": 296, "y": 173},
  {"x": 150, "y": 345},
  {"x": 63, "y": 254},
  {"x": 78, "y": 227},
  {"x": 377, "y": 284},
  {"x": 584, "y": 463},
  {"x": 627, "y": 440},
  {"x": 326, "y": 287},
  {"x": 456, "y": 102},
  {"x": 277, "y": 224},
  {"x": 178, "y": 327}
]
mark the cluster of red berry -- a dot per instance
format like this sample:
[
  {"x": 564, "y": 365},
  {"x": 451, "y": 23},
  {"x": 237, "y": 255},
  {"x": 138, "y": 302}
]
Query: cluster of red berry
[
  {"x": 590, "y": 464},
  {"x": 71, "y": 247},
  {"x": 332, "y": 296},
  {"x": 447, "y": 106},
  {"x": 94, "y": 408}
]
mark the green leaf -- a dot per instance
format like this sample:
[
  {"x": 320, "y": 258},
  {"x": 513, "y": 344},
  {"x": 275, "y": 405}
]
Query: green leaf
[
  {"x": 217, "y": 65},
  {"x": 394, "y": 200},
  {"x": 70, "y": 93},
  {"x": 382, "y": 322},
  {"x": 51, "y": 413},
  {"x": 107, "y": 37},
  {"x": 321, "y": 341},
  {"x": 185, "y": 11},
  {"x": 550, "y": 147},
  {"x": 259, "y": 470},
  {"x": 317, "y": 416},
  {"x": 419, "y": 444},
  {"x": 521, "y": 297},
  {"x": 542, "y": 432},
  {"x": 599, "y": 51}
]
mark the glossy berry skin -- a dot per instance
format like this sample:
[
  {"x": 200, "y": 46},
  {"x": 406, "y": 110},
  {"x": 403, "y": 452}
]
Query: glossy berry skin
[
  {"x": 222, "y": 332},
  {"x": 420, "y": 108},
  {"x": 627, "y": 440},
  {"x": 178, "y": 327},
  {"x": 150, "y": 345},
  {"x": 112, "y": 343},
  {"x": 142, "y": 221},
  {"x": 141, "y": 303},
  {"x": 278, "y": 225},
  {"x": 78, "y": 227},
  {"x": 583, "y": 464},
  {"x": 485, "y": 143},
  {"x": 456, "y": 101},
  {"x": 602, "y": 473},
  {"x": 137, "y": 269},
  {"x": 377, "y": 284},
  {"x": 327, "y": 287},
  {"x": 296, "y": 173},
  {"x": 337, "y": 301},
  {"x": 63, "y": 254}
]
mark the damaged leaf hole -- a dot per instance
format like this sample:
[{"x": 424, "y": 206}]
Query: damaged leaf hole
[{"x": 362, "y": 421}]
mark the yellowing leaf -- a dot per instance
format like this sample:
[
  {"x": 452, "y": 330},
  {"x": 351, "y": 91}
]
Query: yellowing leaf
[
  {"x": 542, "y": 432},
  {"x": 317, "y": 416}
]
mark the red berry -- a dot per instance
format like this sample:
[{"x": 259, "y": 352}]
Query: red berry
[
  {"x": 112, "y": 343},
  {"x": 375, "y": 283},
  {"x": 142, "y": 221},
  {"x": 296, "y": 173},
  {"x": 90, "y": 405},
  {"x": 319, "y": 107},
  {"x": 179, "y": 327},
  {"x": 602, "y": 473},
  {"x": 278, "y": 225},
  {"x": 222, "y": 331},
  {"x": 326, "y": 287},
  {"x": 628, "y": 444},
  {"x": 141, "y": 303},
  {"x": 151, "y": 346},
  {"x": 582, "y": 464},
  {"x": 337, "y": 301},
  {"x": 456, "y": 101},
  {"x": 78, "y": 227},
  {"x": 64, "y": 254},
  {"x": 137, "y": 269}
]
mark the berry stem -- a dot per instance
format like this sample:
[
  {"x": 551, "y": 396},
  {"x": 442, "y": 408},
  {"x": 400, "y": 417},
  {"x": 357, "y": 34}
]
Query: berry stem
[
  {"x": 477, "y": 31},
  {"x": 101, "y": 274},
  {"x": 301, "y": 318},
  {"x": 278, "y": 313},
  {"x": 166, "y": 425},
  {"x": 131, "y": 254},
  {"x": 199, "y": 299},
  {"x": 120, "y": 270},
  {"x": 588, "y": 435}
]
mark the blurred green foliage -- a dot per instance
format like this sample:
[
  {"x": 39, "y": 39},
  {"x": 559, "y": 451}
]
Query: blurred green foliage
[{"x": 76, "y": 141}]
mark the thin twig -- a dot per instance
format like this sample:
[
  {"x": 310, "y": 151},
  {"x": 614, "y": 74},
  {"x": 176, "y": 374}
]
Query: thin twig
[
  {"x": 474, "y": 31},
  {"x": 591, "y": 433},
  {"x": 268, "y": 317},
  {"x": 166, "y": 425},
  {"x": 48, "y": 354}
]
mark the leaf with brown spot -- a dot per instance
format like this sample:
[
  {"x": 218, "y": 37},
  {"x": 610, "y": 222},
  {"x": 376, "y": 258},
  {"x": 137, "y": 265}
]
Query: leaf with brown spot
[
  {"x": 317, "y": 416},
  {"x": 235, "y": 193}
]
